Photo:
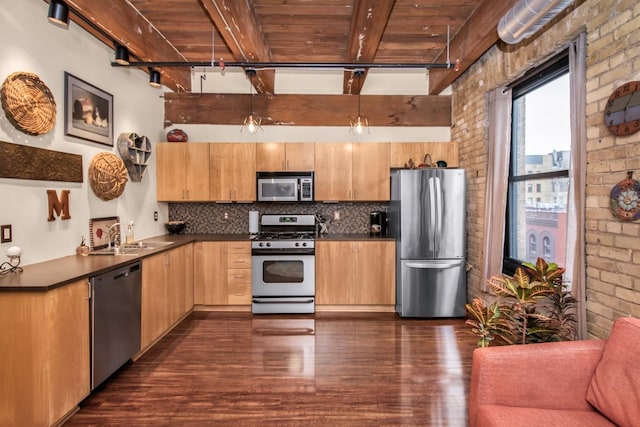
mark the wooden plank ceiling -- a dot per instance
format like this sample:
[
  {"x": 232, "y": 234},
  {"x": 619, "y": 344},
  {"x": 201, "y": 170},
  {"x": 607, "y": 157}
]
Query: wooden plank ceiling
[{"x": 298, "y": 31}]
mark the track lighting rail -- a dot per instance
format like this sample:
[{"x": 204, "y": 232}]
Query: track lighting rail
[{"x": 353, "y": 66}]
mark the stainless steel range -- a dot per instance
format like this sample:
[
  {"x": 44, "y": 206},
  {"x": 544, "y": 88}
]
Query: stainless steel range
[{"x": 283, "y": 265}]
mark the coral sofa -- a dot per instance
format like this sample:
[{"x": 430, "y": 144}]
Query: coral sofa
[{"x": 576, "y": 383}]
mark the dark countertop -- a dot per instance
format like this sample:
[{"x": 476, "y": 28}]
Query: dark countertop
[{"x": 47, "y": 275}]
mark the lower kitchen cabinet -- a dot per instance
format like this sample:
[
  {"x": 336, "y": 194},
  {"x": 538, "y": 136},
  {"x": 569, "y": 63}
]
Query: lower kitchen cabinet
[
  {"x": 222, "y": 273},
  {"x": 44, "y": 362},
  {"x": 167, "y": 291},
  {"x": 355, "y": 272}
]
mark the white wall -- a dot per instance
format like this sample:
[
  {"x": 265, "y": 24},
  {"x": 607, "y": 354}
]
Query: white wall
[{"x": 31, "y": 44}]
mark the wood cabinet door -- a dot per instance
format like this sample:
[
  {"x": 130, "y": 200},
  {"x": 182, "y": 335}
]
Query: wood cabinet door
[
  {"x": 335, "y": 273},
  {"x": 400, "y": 153},
  {"x": 67, "y": 342},
  {"x": 300, "y": 156},
  {"x": 371, "y": 177},
  {"x": 244, "y": 172},
  {"x": 196, "y": 171},
  {"x": 221, "y": 171},
  {"x": 210, "y": 273},
  {"x": 270, "y": 157},
  {"x": 375, "y": 273},
  {"x": 170, "y": 171},
  {"x": 333, "y": 172},
  {"x": 176, "y": 283},
  {"x": 188, "y": 278},
  {"x": 155, "y": 291}
]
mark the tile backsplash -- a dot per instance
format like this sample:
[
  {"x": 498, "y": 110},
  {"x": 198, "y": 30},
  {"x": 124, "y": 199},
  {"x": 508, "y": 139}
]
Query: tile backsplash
[{"x": 212, "y": 218}]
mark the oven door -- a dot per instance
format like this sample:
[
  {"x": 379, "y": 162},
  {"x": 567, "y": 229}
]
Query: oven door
[
  {"x": 283, "y": 275},
  {"x": 277, "y": 189}
]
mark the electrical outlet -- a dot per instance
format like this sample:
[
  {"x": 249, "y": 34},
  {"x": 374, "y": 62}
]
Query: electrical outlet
[
  {"x": 336, "y": 215},
  {"x": 226, "y": 215},
  {"x": 155, "y": 215},
  {"x": 5, "y": 233}
]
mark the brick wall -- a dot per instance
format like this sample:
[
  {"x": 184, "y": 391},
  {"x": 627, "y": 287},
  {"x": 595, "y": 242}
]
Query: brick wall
[{"x": 613, "y": 58}]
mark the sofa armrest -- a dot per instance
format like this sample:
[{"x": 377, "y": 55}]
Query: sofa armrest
[{"x": 549, "y": 375}]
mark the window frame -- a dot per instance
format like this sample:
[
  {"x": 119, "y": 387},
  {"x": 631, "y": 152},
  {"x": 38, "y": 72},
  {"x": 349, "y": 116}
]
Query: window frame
[{"x": 532, "y": 80}]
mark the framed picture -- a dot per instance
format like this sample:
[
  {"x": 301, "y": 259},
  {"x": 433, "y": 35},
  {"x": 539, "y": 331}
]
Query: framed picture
[
  {"x": 88, "y": 111},
  {"x": 99, "y": 231}
]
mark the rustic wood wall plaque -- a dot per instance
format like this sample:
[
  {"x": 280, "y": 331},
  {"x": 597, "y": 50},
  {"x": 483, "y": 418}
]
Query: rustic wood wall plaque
[{"x": 24, "y": 162}]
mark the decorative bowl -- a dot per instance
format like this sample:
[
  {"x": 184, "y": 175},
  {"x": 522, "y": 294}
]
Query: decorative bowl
[{"x": 175, "y": 227}]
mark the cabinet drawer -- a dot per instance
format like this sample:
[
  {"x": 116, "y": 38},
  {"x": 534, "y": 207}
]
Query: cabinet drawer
[
  {"x": 238, "y": 261},
  {"x": 239, "y": 248},
  {"x": 239, "y": 276},
  {"x": 239, "y": 294}
]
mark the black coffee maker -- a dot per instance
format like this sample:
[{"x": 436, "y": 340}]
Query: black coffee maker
[{"x": 378, "y": 223}]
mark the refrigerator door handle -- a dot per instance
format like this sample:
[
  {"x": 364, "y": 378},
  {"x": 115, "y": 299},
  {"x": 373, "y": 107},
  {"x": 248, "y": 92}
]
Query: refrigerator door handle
[
  {"x": 440, "y": 265},
  {"x": 432, "y": 214},
  {"x": 437, "y": 231}
]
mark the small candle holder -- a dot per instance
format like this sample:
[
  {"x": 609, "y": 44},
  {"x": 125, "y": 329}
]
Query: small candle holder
[{"x": 13, "y": 253}]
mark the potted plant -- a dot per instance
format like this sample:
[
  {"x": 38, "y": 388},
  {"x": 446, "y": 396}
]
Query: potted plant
[{"x": 532, "y": 306}]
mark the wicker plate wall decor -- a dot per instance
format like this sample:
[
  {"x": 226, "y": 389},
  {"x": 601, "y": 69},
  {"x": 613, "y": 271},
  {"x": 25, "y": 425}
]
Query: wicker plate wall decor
[
  {"x": 107, "y": 176},
  {"x": 28, "y": 103}
]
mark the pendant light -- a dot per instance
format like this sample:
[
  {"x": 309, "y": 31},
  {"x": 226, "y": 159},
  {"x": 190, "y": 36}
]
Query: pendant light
[
  {"x": 251, "y": 123},
  {"x": 360, "y": 125}
]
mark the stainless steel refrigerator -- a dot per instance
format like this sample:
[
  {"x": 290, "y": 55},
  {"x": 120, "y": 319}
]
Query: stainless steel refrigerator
[{"x": 427, "y": 217}]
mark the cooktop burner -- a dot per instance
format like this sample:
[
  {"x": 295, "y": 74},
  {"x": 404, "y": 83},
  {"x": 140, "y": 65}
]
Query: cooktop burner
[{"x": 285, "y": 231}]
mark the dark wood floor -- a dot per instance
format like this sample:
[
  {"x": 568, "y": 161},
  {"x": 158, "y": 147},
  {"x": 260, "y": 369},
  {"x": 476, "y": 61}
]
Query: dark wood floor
[{"x": 234, "y": 369}]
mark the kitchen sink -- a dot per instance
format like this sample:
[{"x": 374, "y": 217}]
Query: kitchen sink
[
  {"x": 146, "y": 245},
  {"x": 116, "y": 251},
  {"x": 130, "y": 248}
]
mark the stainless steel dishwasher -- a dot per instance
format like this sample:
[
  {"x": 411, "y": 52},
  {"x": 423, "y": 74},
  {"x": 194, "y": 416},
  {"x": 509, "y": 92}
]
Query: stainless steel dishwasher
[{"x": 116, "y": 298}]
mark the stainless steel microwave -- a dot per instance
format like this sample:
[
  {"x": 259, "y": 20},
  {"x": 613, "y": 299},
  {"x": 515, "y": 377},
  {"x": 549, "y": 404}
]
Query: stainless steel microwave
[{"x": 285, "y": 186}]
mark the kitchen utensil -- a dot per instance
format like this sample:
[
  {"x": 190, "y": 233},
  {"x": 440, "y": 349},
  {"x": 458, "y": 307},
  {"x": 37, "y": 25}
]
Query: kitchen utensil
[{"x": 175, "y": 227}]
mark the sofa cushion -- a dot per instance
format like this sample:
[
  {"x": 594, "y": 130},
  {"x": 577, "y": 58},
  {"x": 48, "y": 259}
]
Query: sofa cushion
[
  {"x": 615, "y": 387},
  {"x": 514, "y": 416}
]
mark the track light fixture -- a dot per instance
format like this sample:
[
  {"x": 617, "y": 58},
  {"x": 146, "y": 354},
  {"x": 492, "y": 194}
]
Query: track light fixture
[
  {"x": 58, "y": 13},
  {"x": 360, "y": 125},
  {"x": 154, "y": 77},
  {"x": 251, "y": 123},
  {"x": 122, "y": 54}
]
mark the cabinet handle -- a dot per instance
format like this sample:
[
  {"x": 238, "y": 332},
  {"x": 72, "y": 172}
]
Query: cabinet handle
[
  {"x": 287, "y": 164},
  {"x": 167, "y": 260},
  {"x": 284, "y": 165},
  {"x": 241, "y": 276},
  {"x": 88, "y": 290}
]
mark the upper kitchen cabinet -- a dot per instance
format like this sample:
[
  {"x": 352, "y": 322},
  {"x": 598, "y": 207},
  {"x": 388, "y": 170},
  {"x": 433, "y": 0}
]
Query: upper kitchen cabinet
[
  {"x": 400, "y": 153},
  {"x": 352, "y": 171},
  {"x": 182, "y": 171},
  {"x": 291, "y": 156},
  {"x": 233, "y": 172}
]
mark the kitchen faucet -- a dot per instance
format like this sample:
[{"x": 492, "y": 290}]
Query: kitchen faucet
[{"x": 109, "y": 233}]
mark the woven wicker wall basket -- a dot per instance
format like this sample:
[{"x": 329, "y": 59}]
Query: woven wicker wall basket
[
  {"x": 28, "y": 103},
  {"x": 107, "y": 176}
]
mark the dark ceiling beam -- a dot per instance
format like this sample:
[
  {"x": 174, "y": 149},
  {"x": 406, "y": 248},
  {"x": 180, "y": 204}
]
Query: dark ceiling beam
[
  {"x": 470, "y": 43},
  {"x": 237, "y": 24},
  {"x": 369, "y": 19},
  {"x": 307, "y": 110},
  {"x": 119, "y": 21}
]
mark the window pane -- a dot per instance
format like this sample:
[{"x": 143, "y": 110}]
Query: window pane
[
  {"x": 541, "y": 129},
  {"x": 544, "y": 221}
]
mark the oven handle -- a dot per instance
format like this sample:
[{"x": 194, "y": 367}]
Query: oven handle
[
  {"x": 278, "y": 252},
  {"x": 259, "y": 301}
]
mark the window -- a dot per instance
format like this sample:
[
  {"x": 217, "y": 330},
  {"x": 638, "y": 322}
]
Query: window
[{"x": 540, "y": 153}]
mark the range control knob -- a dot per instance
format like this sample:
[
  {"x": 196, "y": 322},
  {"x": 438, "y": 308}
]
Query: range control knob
[
  {"x": 297, "y": 244},
  {"x": 261, "y": 244},
  {"x": 304, "y": 244},
  {"x": 268, "y": 244}
]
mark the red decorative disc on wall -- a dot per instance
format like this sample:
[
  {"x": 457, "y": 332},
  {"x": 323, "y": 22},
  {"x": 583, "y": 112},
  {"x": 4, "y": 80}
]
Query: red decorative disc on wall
[
  {"x": 625, "y": 203},
  {"x": 622, "y": 115}
]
